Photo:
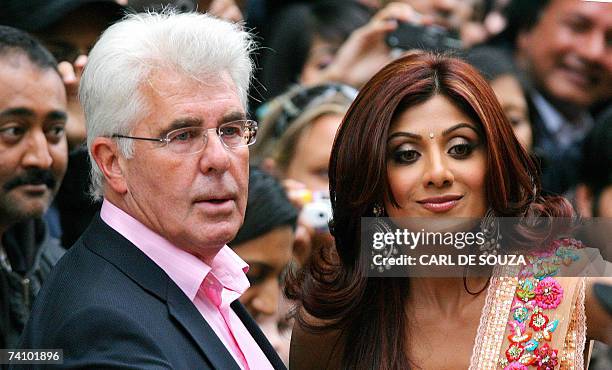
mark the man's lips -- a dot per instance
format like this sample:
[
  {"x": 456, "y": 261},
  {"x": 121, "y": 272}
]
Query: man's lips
[
  {"x": 216, "y": 203},
  {"x": 583, "y": 77},
  {"x": 440, "y": 203},
  {"x": 34, "y": 189}
]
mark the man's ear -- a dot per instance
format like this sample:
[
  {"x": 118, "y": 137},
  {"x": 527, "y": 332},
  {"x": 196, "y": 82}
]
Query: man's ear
[
  {"x": 106, "y": 154},
  {"x": 584, "y": 200}
]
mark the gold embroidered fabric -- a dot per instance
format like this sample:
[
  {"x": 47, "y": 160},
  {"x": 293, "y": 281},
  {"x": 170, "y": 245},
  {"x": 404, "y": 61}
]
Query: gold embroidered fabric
[{"x": 494, "y": 332}]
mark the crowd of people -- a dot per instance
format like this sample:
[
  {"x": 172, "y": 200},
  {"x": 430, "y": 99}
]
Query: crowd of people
[{"x": 183, "y": 183}]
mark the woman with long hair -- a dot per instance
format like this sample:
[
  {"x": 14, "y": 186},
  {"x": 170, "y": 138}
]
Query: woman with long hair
[{"x": 426, "y": 137}]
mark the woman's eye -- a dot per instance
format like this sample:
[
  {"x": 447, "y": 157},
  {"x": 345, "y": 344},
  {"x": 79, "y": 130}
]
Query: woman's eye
[
  {"x": 322, "y": 173},
  {"x": 256, "y": 274},
  {"x": 516, "y": 121},
  {"x": 461, "y": 150},
  {"x": 405, "y": 156}
]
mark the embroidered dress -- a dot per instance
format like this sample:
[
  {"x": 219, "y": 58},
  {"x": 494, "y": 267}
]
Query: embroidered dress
[{"x": 533, "y": 318}]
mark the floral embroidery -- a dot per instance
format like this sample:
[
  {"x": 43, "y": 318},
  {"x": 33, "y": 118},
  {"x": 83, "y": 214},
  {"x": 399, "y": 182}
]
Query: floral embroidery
[
  {"x": 537, "y": 291},
  {"x": 566, "y": 255},
  {"x": 532, "y": 344},
  {"x": 538, "y": 321},
  {"x": 546, "y": 358},
  {"x": 515, "y": 366},
  {"x": 528, "y": 359},
  {"x": 544, "y": 270},
  {"x": 521, "y": 314},
  {"x": 514, "y": 352},
  {"x": 548, "y": 293},
  {"x": 525, "y": 291},
  {"x": 519, "y": 333}
]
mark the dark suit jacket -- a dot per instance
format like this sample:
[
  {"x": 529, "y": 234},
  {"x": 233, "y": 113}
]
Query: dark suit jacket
[
  {"x": 559, "y": 167},
  {"x": 107, "y": 305}
]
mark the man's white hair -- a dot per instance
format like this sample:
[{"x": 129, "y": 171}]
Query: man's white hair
[{"x": 195, "y": 44}]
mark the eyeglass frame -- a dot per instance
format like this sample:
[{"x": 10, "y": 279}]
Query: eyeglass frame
[{"x": 249, "y": 124}]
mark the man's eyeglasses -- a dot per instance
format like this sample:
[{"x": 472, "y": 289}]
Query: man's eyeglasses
[{"x": 191, "y": 140}]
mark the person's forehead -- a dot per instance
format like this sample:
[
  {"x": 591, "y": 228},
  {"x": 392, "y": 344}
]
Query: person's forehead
[
  {"x": 435, "y": 111},
  {"x": 168, "y": 83},
  {"x": 24, "y": 84},
  {"x": 210, "y": 99},
  {"x": 595, "y": 11}
]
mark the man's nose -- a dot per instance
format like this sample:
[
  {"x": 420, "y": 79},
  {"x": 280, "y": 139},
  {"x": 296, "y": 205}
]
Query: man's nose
[
  {"x": 215, "y": 157},
  {"x": 437, "y": 173},
  {"x": 37, "y": 152}
]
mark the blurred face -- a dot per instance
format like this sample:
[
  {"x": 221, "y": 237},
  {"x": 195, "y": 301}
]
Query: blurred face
[
  {"x": 196, "y": 201},
  {"x": 439, "y": 176},
  {"x": 569, "y": 52},
  {"x": 277, "y": 328},
  {"x": 33, "y": 149},
  {"x": 512, "y": 99},
  {"x": 605, "y": 202},
  {"x": 77, "y": 31},
  {"x": 267, "y": 257},
  {"x": 447, "y": 13},
  {"x": 310, "y": 163},
  {"x": 320, "y": 56}
]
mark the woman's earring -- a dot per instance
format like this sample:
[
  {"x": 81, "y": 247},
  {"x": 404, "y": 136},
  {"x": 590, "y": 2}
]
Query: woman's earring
[
  {"x": 381, "y": 226},
  {"x": 490, "y": 229},
  {"x": 378, "y": 210}
]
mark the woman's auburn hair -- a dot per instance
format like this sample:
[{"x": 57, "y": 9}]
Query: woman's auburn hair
[{"x": 333, "y": 287}]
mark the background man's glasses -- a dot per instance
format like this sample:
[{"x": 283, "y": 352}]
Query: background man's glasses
[{"x": 191, "y": 140}]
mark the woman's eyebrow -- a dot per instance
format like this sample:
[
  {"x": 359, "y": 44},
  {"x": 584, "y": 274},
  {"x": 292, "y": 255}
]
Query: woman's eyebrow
[
  {"x": 404, "y": 134},
  {"x": 458, "y": 126}
]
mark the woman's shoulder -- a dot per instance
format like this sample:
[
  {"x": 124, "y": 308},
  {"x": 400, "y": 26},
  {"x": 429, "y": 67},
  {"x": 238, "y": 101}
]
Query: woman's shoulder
[{"x": 315, "y": 349}]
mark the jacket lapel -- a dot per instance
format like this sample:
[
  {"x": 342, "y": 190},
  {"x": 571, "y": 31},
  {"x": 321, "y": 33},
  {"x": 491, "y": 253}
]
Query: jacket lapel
[
  {"x": 258, "y": 335},
  {"x": 113, "y": 247},
  {"x": 188, "y": 315}
]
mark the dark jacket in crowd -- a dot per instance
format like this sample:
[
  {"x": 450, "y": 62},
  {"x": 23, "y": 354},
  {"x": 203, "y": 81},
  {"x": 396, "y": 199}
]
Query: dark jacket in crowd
[
  {"x": 108, "y": 305},
  {"x": 559, "y": 166},
  {"x": 31, "y": 253}
]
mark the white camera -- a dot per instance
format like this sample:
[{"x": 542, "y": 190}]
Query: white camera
[{"x": 318, "y": 212}]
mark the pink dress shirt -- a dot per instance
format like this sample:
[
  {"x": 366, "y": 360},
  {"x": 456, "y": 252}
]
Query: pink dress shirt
[{"x": 211, "y": 288}]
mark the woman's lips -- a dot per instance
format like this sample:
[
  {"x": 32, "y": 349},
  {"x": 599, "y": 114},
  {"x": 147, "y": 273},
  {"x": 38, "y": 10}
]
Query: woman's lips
[{"x": 440, "y": 204}]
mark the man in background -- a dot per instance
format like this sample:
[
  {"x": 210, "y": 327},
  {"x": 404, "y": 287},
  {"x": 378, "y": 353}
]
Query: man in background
[
  {"x": 565, "y": 49},
  {"x": 33, "y": 156}
]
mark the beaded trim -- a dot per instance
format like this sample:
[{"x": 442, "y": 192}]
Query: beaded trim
[
  {"x": 533, "y": 316},
  {"x": 526, "y": 305}
]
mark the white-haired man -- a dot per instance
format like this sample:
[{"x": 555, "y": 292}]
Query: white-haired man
[{"x": 151, "y": 283}]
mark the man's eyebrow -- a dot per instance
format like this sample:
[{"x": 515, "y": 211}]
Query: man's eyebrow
[
  {"x": 57, "y": 115},
  {"x": 181, "y": 123},
  {"x": 21, "y": 112},
  {"x": 232, "y": 116}
]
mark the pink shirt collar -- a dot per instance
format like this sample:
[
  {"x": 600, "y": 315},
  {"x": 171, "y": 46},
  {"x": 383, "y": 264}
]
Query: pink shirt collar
[{"x": 186, "y": 270}]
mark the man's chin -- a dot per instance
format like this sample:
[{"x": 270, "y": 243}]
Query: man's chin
[
  {"x": 567, "y": 92},
  {"x": 16, "y": 213}
]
